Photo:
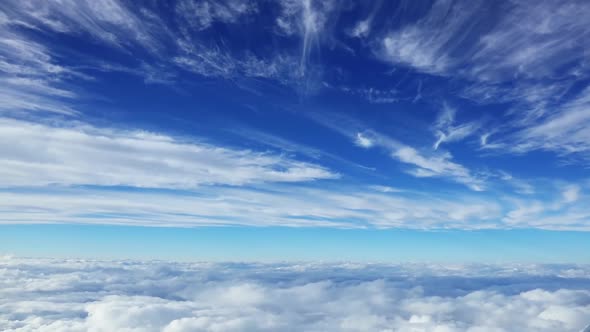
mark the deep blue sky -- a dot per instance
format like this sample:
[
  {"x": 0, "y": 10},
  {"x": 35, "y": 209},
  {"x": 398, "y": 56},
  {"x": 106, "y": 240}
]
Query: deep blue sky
[{"x": 334, "y": 116}]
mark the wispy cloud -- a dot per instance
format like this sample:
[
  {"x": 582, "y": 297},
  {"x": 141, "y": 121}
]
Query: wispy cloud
[
  {"x": 440, "y": 165},
  {"x": 564, "y": 131},
  {"x": 446, "y": 130},
  {"x": 363, "y": 141},
  {"x": 374, "y": 95},
  {"x": 423, "y": 164},
  {"x": 200, "y": 15},
  {"x": 277, "y": 205},
  {"x": 428, "y": 45},
  {"x": 528, "y": 40},
  {"x": 562, "y": 211},
  {"x": 531, "y": 55},
  {"x": 107, "y": 21},
  {"x": 83, "y": 154},
  {"x": 31, "y": 78}
]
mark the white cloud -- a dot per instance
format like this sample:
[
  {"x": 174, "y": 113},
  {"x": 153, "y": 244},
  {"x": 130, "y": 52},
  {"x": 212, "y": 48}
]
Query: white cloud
[
  {"x": 307, "y": 19},
  {"x": 571, "y": 193},
  {"x": 423, "y": 164},
  {"x": 374, "y": 95},
  {"x": 439, "y": 165},
  {"x": 172, "y": 44},
  {"x": 107, "y": 21},
  {"x": 363, "y": 141},
  {"x": 78, "y": 295},
  {"x": 335, "y": 206},
  {"x": 528, "y": 40},
  {"x": 30, "y": 78},
  {"x": 199, "y": 15},
  {"x": 35, "y": 154},
  {"x": 538, "y": 47},
  {"x": 361, "y": 29},
  {"x": 564, "y": 208},
  {"x": 290, "y": 206},
  {"x": 563, "y": 131},
  {"x": 427, "y": 44},
  {"x": 446, "y": 130},
  {"x": 385, "y": 189}
]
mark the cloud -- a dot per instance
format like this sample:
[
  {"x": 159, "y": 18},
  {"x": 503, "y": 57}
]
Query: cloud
[
  {"x": 571, "y": 193},
  {"x": 563, "y": 131},
  {"x": 423, "y": 164},
  {"x": 437, "y": 166},
  {"x": 157, "y": 41},
  {"x": 363, "y": 141},
  {"x": 374, "y": 95},
  {"x": 361, "y": 29},
  {"x": 288, "y": 206},
  {"x": 530, "y": 55},
  {"x": 553, "y": 213},
  {"x": 526, "y": 40},
  {"x": 334, "y": 206},
  {"x": 30, "y": 77},
  {"x": 428, "y": 44},
  {"x": 107, "y": 21},
  {"x": 80, "y": 154},
  {"x": 385, "y": 189},
  {"x": 84, "y": 295},
  {"x": 445, "y": 129},
  {"x": 200, "y": 15}
]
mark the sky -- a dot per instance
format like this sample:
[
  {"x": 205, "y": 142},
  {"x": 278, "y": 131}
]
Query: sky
[{"x": 448, "y": 131}]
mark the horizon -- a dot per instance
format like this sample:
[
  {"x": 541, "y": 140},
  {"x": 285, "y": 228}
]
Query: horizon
[{"x": 447, "y": 142}]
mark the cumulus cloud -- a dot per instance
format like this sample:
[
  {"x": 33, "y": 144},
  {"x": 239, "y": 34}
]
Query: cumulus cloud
[{"x": 83, "y": 295}]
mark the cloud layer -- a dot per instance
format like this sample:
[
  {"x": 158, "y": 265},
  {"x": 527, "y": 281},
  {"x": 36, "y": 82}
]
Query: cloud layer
[{"x": 77, "y": 295}]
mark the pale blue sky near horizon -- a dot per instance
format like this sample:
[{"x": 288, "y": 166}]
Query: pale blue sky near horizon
[
  {"x": 429, "y": 130},
  {"x": 271, "y": 244}
]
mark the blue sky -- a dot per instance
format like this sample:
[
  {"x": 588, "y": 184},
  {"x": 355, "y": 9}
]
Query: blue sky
[{"x": 297, "y": 119}]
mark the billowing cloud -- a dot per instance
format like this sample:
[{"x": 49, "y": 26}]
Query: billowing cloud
[{"x": 83, "y": 295}]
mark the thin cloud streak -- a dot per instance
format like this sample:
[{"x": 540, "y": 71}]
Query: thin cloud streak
[{"x": 86, "y": 155}]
